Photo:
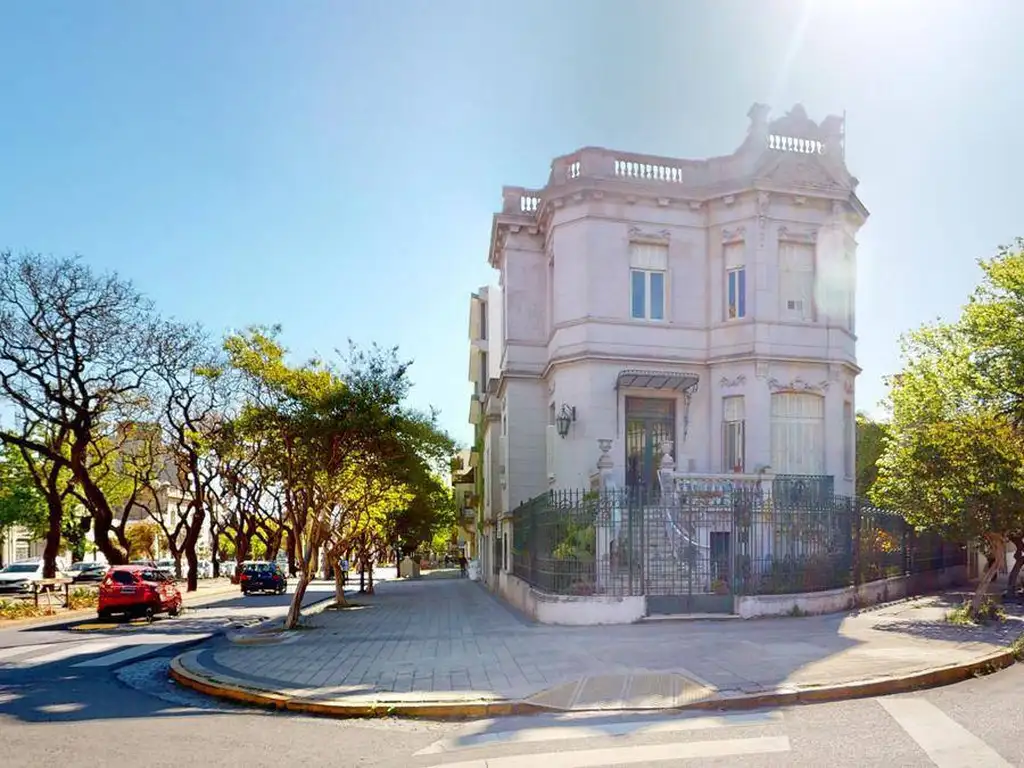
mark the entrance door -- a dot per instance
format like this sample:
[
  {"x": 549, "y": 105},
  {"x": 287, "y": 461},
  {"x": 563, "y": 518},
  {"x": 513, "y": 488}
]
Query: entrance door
[{"x": 649, "y": 422}]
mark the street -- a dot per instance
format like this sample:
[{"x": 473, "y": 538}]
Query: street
[{"x": 80, "y": 695}]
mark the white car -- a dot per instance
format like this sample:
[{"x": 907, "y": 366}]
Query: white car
[{"x": 17, "y": 578}]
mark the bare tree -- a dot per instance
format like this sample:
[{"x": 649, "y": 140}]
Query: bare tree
[
  {"x": 194, "y": 393},
  {"x": 76, "y": 352}
]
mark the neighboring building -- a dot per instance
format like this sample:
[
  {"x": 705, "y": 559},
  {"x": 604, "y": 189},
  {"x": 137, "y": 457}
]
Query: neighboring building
[
  {"x": 464, "y": 494},
  {"x": 644, "y": 299},
  {"x": 18, "y": 543},
  {"x": 489, "y": 451}
]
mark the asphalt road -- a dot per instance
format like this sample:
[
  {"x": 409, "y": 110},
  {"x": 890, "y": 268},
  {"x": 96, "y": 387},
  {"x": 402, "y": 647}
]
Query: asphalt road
[{"x": 80, "y": 708}]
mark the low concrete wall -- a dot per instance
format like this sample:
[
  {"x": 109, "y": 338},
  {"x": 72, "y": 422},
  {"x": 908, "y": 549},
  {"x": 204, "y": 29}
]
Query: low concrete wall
[
  {"x": 570, "y": 610},
  {"x": 843, "y": 599}
]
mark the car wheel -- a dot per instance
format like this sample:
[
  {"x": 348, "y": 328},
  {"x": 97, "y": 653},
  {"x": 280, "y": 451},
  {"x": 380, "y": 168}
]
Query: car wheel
[
  {"x": 148, "y": 614},
  {"x": 103, "y": 614},
  {"x": 175, "y": 609}
]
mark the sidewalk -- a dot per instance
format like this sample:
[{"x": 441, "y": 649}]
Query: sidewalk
[{"x": 438, "y": 647}]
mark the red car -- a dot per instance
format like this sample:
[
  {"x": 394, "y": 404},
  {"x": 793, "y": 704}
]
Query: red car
[{"x": 138, "y": 590}]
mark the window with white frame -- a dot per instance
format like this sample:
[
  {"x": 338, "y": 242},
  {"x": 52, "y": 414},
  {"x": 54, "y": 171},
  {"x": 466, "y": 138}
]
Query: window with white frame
[
  {"x": 849, "y": 440},
  {"x": 798, "y": 433},
  {"x": 733, "y": 428},
  {"x": 796, "y": 281},
  {"x": 648, "y": 269},
  {"x": 735, "y": 281}
]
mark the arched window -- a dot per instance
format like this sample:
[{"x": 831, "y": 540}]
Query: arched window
[{"x": 798, "y": 433}]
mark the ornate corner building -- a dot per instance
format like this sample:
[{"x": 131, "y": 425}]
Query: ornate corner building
[{"x": 644, "y": 300}]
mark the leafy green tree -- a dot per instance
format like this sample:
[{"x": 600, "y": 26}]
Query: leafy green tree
[
  {"x": 20, "y": 501},
  {"x": 953, "y": 462},
  {"x": 871, "y": 437}
]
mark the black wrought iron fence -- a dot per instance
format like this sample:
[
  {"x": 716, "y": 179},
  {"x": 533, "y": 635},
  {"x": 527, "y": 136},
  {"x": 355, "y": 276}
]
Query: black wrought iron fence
[{"x": 711, "y": 541}]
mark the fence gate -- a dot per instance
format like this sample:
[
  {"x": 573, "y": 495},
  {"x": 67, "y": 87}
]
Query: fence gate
[{"x": 685, "y": 550}]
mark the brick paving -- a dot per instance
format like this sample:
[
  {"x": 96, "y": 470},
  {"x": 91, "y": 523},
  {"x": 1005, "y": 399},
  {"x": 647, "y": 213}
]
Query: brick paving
[{"x": 445, "y": 638}]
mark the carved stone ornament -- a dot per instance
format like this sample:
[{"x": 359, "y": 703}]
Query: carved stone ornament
[
  {"x": 848, "y": 387},
  {"x": 798, "y": 385},
  {"x": 660, "y": 237},
  {"x": 734, "y": 235},
  {"x": 807, "y": 237},
  {"x": 728, "y": 383},
  {"x": 763, "y": 201},
  {"x": 761, "y": 370}
]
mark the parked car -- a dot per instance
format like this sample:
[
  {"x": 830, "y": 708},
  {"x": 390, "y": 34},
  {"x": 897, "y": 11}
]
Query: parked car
[
  {"x": 18, "y": 578},
  {"x": 85, "y": 573},
  {"x": 261, "y": 576},
  {"x": 138, "y": 590}
]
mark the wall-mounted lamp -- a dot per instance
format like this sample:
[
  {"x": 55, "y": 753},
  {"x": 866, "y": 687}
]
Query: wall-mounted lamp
[{"x": 565, "y": 419}]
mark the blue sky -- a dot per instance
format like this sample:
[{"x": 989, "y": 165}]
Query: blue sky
[{"x": 333, "y": 166}]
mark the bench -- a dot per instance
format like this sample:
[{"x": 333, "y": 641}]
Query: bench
[{"x": 49, "y": 586}]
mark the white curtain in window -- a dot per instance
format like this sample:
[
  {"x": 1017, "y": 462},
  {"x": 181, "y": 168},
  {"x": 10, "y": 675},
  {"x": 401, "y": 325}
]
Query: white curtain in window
[{"x": 798, "y": 433}]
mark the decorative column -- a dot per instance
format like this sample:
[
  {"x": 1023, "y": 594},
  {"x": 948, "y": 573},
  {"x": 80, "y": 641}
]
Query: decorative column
[{"x": 666, "y": 467}]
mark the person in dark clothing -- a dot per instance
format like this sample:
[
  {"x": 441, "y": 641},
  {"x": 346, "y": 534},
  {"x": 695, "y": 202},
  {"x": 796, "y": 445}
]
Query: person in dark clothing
[{"x": 463, "y": 564}]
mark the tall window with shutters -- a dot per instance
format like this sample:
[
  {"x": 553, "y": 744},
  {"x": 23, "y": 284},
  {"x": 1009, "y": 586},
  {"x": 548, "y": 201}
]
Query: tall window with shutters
[
  {"x": 648, "y": 277},
  {"x": 733, "y": 437},
  {"x": 798, "y": 433},
  {"x": 796, "y": 281}
]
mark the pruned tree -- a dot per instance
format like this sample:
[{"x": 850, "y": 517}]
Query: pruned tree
[{"x": 76, "y": 352}]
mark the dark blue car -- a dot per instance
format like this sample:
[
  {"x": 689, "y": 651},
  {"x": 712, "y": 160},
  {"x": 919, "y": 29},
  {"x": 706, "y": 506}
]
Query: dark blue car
[{"x": 263, "y": 577}]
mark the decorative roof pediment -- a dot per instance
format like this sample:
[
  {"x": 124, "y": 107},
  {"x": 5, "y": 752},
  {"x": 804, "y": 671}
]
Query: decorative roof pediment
[{"x": 798, "y": 170}]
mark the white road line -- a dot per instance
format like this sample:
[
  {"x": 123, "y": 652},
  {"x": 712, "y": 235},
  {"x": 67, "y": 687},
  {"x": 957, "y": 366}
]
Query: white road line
[
  {"x": 68, "y": 650},
  {"x": 20, "y": 650},
  {"x": 947, "y": 743},
  {"x": 147, "y": 645},
  {"x": 594, "y": 758},
  {"x": 564, "y": 730}
]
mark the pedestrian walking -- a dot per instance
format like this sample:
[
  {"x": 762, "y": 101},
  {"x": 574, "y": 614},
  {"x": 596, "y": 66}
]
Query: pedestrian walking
[
  {"x": 344, "y": 571},
  {"x": 463, "y": 564}
]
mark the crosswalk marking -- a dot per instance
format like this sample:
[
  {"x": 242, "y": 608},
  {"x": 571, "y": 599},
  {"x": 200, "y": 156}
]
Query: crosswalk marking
[
  {"x": 581, "y": 729},
  {"x": 67, "y": 650},
  {"x": 593, "y": 758},
  {"x": 947, "y": 743},
  {"x": 134, "y": 651},
  {"x": 114, "y": 650},
  {"x": 19, "y": 650}
]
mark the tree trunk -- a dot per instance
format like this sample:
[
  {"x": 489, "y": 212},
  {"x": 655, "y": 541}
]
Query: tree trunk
[
  {"x": 997, "y": 547},
  {"x": 290, "y": 543},
  {"x": 339, "y": 584},
  {"x": 98, "y": 505},
  {"x": 215, "y": 547},
  {"x": 369, "y": 587},
  {"x": 362, "y": 579},
  {"x": 273, "y": 545},
  {"x": 295, "y": 609},
  {"x": 1018, "y": 563},
  {"x": 55, "y": 510}
]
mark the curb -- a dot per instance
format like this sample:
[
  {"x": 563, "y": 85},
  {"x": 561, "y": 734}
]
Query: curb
[{"x": 187, "y": 671}]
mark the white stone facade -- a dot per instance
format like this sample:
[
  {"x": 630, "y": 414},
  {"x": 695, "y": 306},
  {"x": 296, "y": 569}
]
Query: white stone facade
[{"x": 707, "y": 302}]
